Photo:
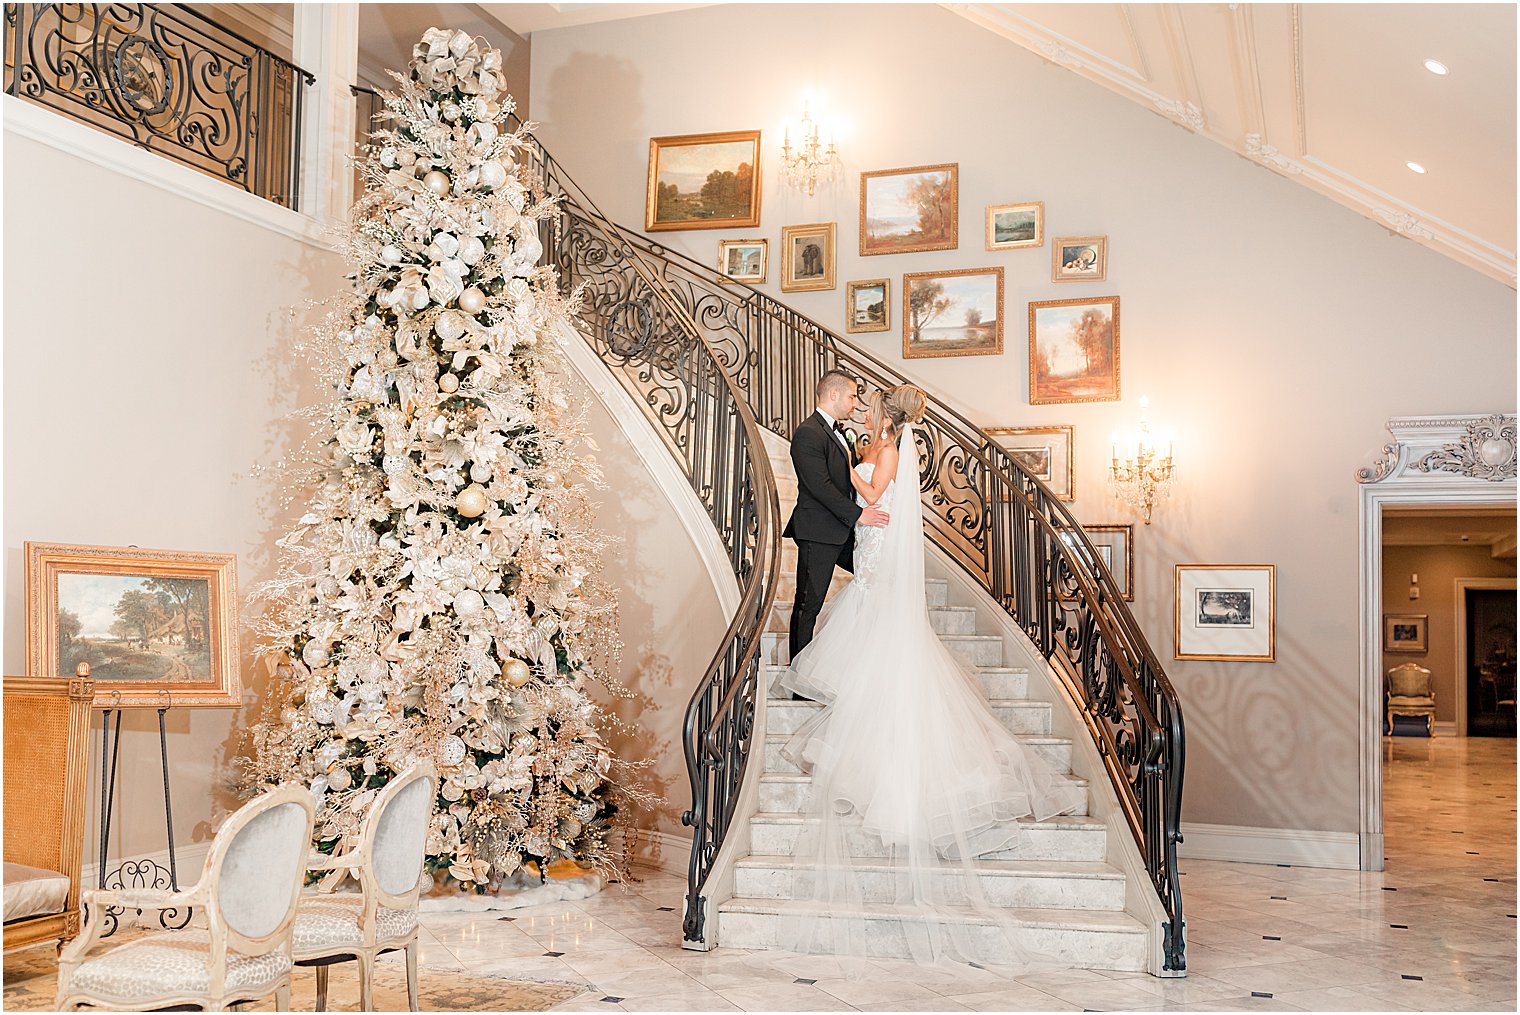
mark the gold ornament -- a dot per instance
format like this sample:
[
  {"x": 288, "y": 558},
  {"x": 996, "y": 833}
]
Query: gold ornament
[
  {"x": 449, "y": 383},
  {"x": 437, "y": 183},
  {"x": 516, "y": 673},
  {"x": 471, "y": 501},
  {"x": 472, "y": 300}
]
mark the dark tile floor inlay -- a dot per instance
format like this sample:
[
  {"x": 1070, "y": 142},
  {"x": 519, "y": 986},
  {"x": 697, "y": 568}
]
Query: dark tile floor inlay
[
  {"x": 665, "y": 909},
  {"x": 612, "y": 1000},
  {"x": 1270, "y": 937},
  {"x": 1260, "y": 993},
  {"x": 1408, "y": 977},
  {"x": 804, "y": 981},
  {"x": 552, "y": 955},
  {"x": 1399, "y": 926}
]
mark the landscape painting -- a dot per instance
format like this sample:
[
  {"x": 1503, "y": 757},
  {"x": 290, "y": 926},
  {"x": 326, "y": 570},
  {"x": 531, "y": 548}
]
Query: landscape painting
[
  {"x": 1046, "y": 452},
  {"x": 866, "y": 307},
  {"x": 1224, "y": 611},
  {"x": 1074, "y": 350},
  {"x": 908, "y": 210},
  {"x": 744, "y": 260},
  {"x": 703, "y": 181},
  {"x": 148, "y": 623},
  {"x": 953, "y": 313},
  {"x": 1013, "y": 226}
]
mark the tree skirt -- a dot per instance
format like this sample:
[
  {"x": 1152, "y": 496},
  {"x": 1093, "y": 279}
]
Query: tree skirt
[
  {"x": 566, "y": 881},
  {"x": 31, "y": 984}
]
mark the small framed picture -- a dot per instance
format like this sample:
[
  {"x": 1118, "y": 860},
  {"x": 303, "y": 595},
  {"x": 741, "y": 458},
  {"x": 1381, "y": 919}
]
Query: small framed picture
[
  {"x": 157, "y": 627},
  {"x": 1115, "y": 545},
  {"x": 1046, "y": 451},
  {"x": 744, "y": 260},
  {"x": 904, "y": 211},
  {"x": 1015, "y": 226},
  {"x": 953, "y": 313},
  {"x": 867, "y": 307},
  {"x": 703, "y": 181},
  {"x": 1226, "y": 612},
  {"x": 1405, "y": 632},
  {"x": 1079, "y": 259},
  {"x": 1074, "y": 350},
  {"x": 807, "y": 257}
]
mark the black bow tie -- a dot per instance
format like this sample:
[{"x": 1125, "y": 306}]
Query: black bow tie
[{"x": 840, "y": 427}]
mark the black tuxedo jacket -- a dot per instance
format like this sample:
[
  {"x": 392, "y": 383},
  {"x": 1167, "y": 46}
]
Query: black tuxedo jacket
[{"x": 826, "y": 511}]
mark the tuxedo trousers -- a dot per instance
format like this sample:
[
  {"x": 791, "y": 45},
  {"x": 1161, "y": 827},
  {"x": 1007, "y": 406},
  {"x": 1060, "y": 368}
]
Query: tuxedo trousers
[{"x": 815, "y": 570}]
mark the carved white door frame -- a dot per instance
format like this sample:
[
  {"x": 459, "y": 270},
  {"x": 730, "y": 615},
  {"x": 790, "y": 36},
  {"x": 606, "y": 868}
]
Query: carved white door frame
[
  {"x": 1433, "y": 460},
  {"x": 1460, "y": 630}
]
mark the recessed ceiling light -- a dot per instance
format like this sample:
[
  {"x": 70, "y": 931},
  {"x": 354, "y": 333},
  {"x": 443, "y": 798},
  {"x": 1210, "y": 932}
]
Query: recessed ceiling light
[
  {"x": 1416, "y": 167},
  {"x": 1436, "y": 67}
]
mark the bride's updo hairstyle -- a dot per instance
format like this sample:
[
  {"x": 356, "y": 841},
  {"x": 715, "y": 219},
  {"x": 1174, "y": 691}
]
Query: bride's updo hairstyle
[{"x": 899, "y": 406}]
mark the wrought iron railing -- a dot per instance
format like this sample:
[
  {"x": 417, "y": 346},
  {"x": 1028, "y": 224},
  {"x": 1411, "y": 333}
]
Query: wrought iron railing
[
  {"x": 648, "y": 335},
  {"x": 166, "y": 78},
  {"x": 982, "y": 508}
]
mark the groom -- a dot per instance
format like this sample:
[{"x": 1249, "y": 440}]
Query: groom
[{"x": 823, "y": 522}]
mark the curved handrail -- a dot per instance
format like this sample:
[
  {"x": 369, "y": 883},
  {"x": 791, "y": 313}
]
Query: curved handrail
[
  {"x": 994, "y": 518},
  {"x": 641, "y": 328}
]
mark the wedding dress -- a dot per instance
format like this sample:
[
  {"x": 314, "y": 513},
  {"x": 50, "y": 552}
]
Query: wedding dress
[{"x": 913, "y": 776}]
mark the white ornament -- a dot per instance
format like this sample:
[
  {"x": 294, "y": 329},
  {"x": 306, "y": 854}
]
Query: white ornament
[
  {"x": 339, "y": 779},
  {"x": 483, "y": 133},
  {"x": 394, "y": 465},
  {"x": 449, "y": 326},
  {"x": 472, "y": 300},
  {"x": 420, "y": 299},
  {"x": 480, "y": 472},
  {"x": 450, "y": 110},
  {"x": 471, "y": 250},
  {"x": 492, "y": 174},
  {"x": 451, "y": 752},
  {"x": 468, "y": 603},
  {"x": 449, "y": 383},
  {"x": 388, "y": 157},
  {"x": 391, "y": 254},
  {"x": 314, "y": 655},
  {"x": 437, "y": 183}
]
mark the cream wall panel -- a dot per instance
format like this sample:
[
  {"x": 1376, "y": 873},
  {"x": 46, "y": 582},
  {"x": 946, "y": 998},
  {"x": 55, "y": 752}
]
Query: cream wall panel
[{"x": 1273, "y": 329}]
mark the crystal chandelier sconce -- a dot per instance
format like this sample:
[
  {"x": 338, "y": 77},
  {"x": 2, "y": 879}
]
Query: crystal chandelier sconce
[
  {"x": 810, "y": 161},
  {"x": 1142, "y": 466}
]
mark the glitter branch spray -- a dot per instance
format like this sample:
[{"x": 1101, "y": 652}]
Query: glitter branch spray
[{"x": 439, "y": 597}]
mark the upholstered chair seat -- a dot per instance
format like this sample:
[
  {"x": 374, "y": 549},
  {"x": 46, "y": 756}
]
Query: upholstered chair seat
[
  {"x": 178, "y": 964},
  {"x": 1411, "y": 692},
  {"x": 332, "y": 921}
]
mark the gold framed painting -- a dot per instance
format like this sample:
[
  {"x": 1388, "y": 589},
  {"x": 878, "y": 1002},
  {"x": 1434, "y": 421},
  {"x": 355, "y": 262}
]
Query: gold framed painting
[
  {"x": 703, "y": 181},
  {"x": 1079, "y": 259},
  {"x": 1047, "y": 452},
  {"x": 868, "y": 306},
  {"x": 1405, "y": 632},
  {"x": 904, "y": 211},
  {"x": 1115, "y": 546},
  {"x": 1016, "y": 226},
  {"x": 1074, "y": 350},
  {"x": 744, "y": 260},
  {"x": 953, "y": 313},
  {"x": 1226, "y": 612},
  {"x": 808, "y": 257},
  {"x": 157, "y": 627}
]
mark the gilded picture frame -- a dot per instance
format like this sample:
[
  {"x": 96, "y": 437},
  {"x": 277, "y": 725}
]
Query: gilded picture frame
[
  {"x": 1016, "y": 226},
  {"x": 1406, "y": 633},
  {"x": 965, "y": 294},
  {"x": 1116, "y": 548},
  {"x": 157, "y": 627},
  {"x": 1079, "y": 259},
  {"x": 910, "y": 210},
  {"x": 1060, "y": 335},
  {"x": 681, "y": 192},
  {"x": 873, "y": 315},
  {"x": 752, "y": 258},
  {"x": 1049, "y": 452},
  {"x": 809, "y": 257},
  {"x": 1225, "y": 612}
]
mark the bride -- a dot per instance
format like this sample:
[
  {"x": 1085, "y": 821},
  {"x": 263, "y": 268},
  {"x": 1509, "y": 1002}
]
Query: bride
[{"x": 913, "y": 776}]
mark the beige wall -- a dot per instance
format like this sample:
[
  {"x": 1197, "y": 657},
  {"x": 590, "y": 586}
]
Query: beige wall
[
  {"x": 1274, "y": 330},
  {"x": 148, "y": 363},
  {"x": 1439, "y": 567}
]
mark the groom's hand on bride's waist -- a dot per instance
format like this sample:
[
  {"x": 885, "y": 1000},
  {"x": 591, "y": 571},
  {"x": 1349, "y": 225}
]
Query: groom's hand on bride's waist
[{"x": 875, "y": 517}]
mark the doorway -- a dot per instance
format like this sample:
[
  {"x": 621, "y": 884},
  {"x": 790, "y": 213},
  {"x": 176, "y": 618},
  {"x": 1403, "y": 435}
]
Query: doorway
[{"x": 1486, "y": 619}]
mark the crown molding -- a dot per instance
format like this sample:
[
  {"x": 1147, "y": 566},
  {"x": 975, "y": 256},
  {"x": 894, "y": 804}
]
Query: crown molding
[{"x": 1186, "y": 110}]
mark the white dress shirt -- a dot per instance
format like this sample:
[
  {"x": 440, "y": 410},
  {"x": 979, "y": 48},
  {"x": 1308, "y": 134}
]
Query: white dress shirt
[{"x": 829, "y": 422}]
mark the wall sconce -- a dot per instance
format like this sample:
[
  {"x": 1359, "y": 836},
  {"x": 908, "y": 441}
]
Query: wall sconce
[
  {"x": 1142, "y": 466},
  {"x": 809, "y": 162}
]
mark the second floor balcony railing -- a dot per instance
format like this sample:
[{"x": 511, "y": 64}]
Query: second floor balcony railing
[{"x": 166, "y": 78}]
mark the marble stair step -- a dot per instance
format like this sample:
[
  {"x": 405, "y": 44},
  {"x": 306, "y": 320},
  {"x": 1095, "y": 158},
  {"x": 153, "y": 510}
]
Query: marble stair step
[
  {"x": 1068, "y": 837},
  {"x": 1018, "y": 715},
  {"x": 936, "y": 590},
  {"x": 943, "y": 619},
  {"x": 976, "y": 649},
  {"x": 786, "y": 792},
  {"x": 996, "y": 681},
  {"x": 1088, "y": 940},
  {"x": 1041, "y": 884}
]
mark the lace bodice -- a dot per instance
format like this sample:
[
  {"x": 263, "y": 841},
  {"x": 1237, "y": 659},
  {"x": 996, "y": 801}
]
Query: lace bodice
[{"x": 867, "y": 470}]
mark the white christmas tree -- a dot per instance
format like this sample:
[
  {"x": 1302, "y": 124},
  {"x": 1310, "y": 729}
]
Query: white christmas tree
[{"x": 438, "y": 599}]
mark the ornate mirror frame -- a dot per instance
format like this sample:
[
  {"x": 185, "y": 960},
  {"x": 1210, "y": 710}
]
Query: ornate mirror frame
[{"x": 1432, "y": 460}]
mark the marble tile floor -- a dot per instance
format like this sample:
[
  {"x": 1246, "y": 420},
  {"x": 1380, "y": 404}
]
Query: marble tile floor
[{"x": 1435, "y": 931}]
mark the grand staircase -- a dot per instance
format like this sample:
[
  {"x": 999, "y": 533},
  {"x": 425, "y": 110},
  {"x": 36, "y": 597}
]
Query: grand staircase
[
  {"x": 1064, "y": 897},
  {"x": 723, "y": 373}
]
